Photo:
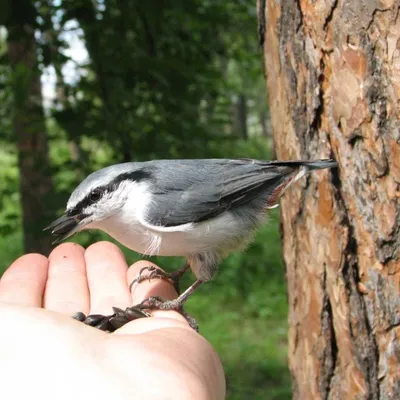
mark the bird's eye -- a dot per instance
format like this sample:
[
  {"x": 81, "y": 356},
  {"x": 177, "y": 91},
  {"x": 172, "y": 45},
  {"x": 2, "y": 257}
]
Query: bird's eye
[{"x": 95, "y": 195}]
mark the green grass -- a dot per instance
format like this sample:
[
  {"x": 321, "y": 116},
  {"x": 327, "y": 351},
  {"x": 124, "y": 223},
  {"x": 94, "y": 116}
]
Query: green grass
[{"x": 242, "y": 312}]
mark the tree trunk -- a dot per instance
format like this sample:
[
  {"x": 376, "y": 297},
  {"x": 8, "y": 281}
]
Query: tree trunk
[
  {"x": 29, "y": 126},
  {"x": 333, "y": 75},
  {"x": 241, "y": 116}
]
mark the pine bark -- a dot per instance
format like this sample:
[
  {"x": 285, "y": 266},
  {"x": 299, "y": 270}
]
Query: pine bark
[
  {"x": 333, "y": 78},
  {"x": 29, "y": 126}
]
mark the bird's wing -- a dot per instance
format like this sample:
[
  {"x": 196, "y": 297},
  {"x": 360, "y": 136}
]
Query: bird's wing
[{"x": 194, "y": 191}]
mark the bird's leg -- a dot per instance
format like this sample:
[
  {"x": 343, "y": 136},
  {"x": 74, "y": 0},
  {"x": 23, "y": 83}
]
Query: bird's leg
[
  {"x": 177, "y": 275},
  {"x": 156, "y": 273},
  {"x": 157, "y": 303},
  {"x": 120, "y": 317},
  {"x": 111, "y": 322}
]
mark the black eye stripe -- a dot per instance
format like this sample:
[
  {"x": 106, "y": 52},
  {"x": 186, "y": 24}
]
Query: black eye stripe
[
  {"x": 93, "y": 197},
  {"x": 111, "y": 187}
]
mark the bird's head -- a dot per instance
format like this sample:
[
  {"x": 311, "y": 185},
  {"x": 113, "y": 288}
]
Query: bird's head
[{"x": 100, "y": 196}]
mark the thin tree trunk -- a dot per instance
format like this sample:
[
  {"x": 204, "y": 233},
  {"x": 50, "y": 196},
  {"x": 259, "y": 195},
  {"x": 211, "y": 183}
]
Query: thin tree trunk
[
  {"x": 262, "y": 117},
  {"x": 29, "y": 126},
  {"x": 241, "y": 115},
  {"x": 333, "y": 77}
]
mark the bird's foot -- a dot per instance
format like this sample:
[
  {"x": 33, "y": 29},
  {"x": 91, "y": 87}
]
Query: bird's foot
[
  {"x": 157, "y": 273},
  {"x": 158, "y": 303},
  {"x": 111, "y": 323},
  {"x": 119, "y": 318}
]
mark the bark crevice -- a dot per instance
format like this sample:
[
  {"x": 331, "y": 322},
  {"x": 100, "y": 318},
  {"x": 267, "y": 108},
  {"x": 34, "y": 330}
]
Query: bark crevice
[
  {"x": 362, "y": 333},
  {"x": 329, "y": 356},
  {"x": 301, "y": 17},
  {"x": 329, "y": 17},
  {"x": 261, "y": 21}
]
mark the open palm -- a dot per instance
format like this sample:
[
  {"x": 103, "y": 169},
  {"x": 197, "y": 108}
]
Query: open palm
[{"x": 45, "y": 353}]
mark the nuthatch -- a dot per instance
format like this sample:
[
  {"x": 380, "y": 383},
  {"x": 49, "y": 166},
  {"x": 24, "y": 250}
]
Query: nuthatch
[{"x": 200, "y": 209}]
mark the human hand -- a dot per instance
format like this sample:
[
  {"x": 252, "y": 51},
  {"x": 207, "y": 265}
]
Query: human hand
[{"x": 46, "y": 354}]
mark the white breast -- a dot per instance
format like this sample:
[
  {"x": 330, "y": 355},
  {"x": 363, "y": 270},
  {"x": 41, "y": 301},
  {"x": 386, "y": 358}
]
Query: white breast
[{"x": 221, "y": 233}]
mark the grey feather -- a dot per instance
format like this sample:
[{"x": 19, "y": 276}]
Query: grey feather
[{"x": 196, "y": 190}]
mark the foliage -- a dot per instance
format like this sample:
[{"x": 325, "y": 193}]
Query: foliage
[
  {"x": 9, "y": 200},
  {"x": 5, "y": 91}
]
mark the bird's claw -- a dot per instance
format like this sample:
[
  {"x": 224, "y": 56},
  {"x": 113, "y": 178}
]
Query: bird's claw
[
  {"x": 158, "y": 303},
  {"x": 155, "y": 273}
]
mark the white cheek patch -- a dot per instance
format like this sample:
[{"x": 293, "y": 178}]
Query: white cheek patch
[
  {"x": 101, "y": 208},
  {"x": 125, "y": 199}
]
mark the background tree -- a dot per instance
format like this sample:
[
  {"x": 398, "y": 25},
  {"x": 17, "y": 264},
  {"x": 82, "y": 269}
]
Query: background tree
[
  {"x": 28, "y": 123},
  {"x": 334, "y": 82}
]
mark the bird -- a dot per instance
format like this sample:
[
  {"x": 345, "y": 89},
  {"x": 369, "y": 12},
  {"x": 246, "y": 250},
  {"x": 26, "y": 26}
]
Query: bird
[{"x": 201, "y": 209}]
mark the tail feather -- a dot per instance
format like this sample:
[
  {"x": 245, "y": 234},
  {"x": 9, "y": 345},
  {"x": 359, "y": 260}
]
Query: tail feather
[
  {"x": 300, "y": 169},
  {"x": 320, "y": 164},
  {"x": 310, "y": 165}
]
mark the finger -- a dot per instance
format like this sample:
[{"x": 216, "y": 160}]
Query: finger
[
  {"x": 148, "y": 288},
  {"x": 24, "y": 282},
  {"x": 106, "y": 270},
  {"x": 67, "y": 289},
  {"x": 159, "y": 320}
]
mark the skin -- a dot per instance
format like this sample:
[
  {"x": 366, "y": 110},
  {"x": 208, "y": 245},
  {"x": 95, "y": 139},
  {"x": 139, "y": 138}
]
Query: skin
[{"x": 45, "y": 353}]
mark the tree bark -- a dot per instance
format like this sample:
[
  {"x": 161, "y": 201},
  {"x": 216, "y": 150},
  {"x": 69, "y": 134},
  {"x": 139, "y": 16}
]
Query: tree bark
[
  {"x": 29, "y": 127},
  {"x": 333, "y": 77}
]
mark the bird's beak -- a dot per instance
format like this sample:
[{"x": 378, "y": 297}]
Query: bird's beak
[{"x": 64, "y": 227}]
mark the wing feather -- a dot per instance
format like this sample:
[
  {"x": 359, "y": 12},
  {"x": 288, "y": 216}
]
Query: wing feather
[{"x": 191, "y": 191}]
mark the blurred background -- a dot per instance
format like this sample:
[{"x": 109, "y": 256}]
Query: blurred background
[{"x": 89, "y": 83}]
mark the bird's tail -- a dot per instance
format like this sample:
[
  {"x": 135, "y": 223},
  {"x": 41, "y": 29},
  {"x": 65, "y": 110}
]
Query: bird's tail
[
  {"x": 304, "y": 167},
  {"x": 309, "y": 165},
  {"x": 319, "y": 164}
]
